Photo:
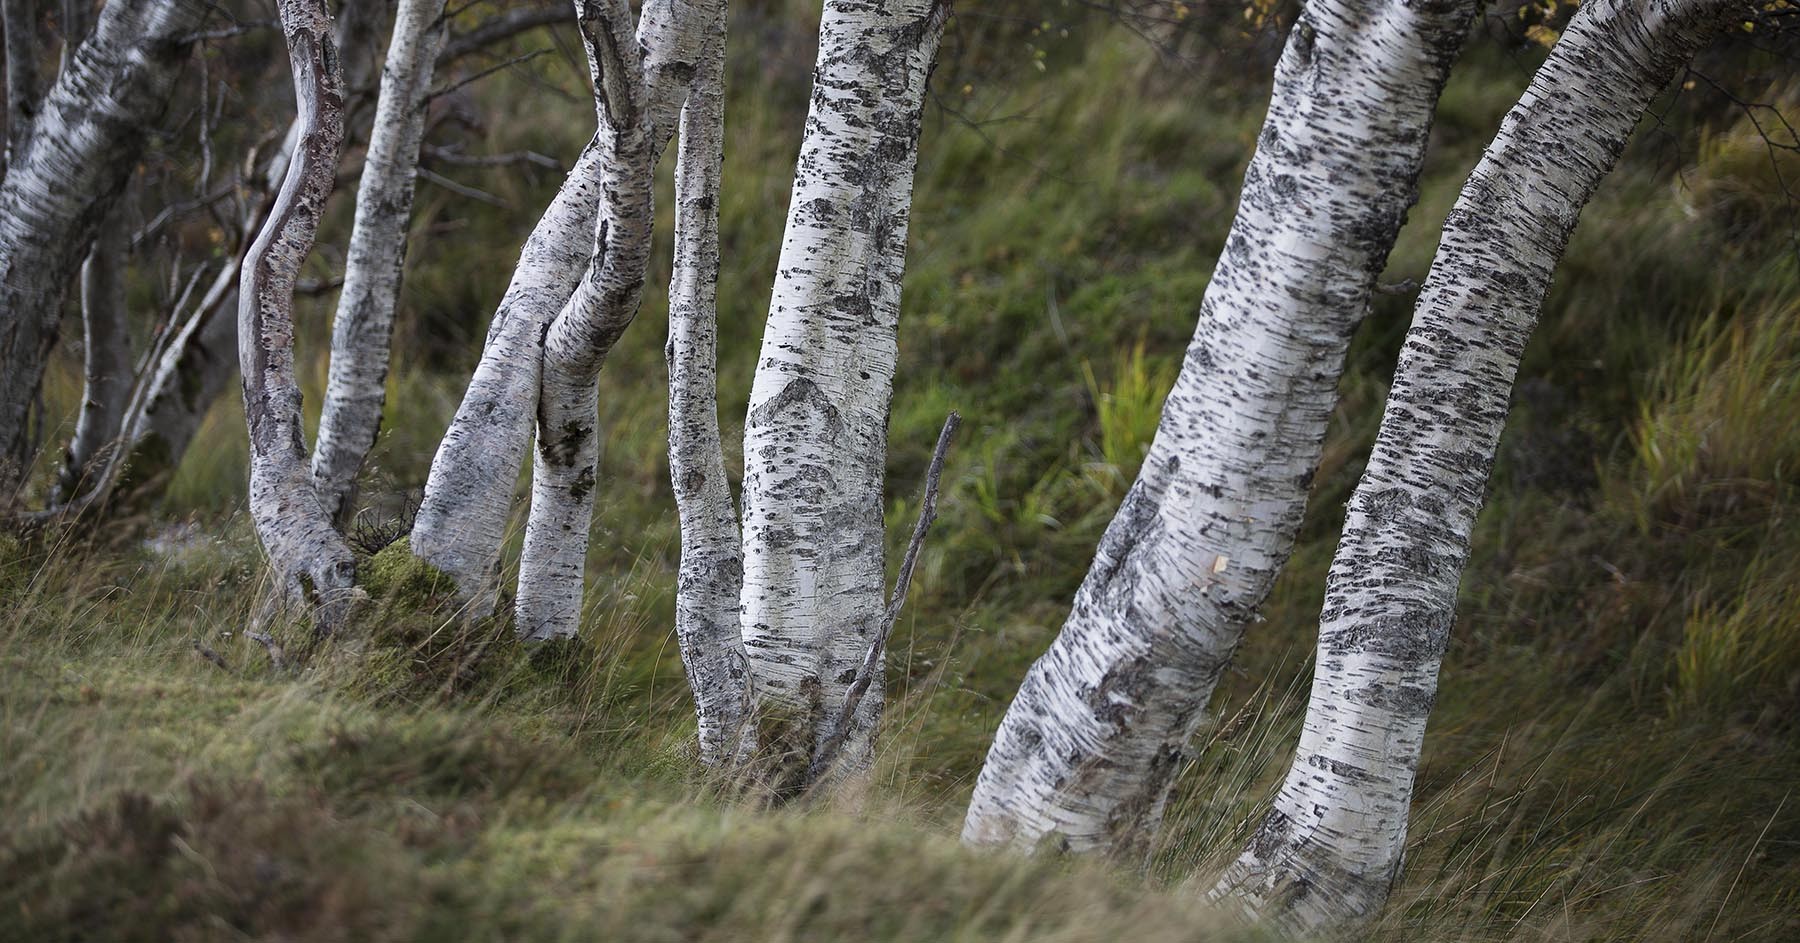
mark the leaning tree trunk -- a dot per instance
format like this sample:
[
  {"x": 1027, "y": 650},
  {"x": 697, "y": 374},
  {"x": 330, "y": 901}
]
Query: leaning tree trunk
[
  {"x": 197, "y": 365},
  {"x": 711, "y": 573},
  {"x": 462, "y": 520},
  {"x": 1331, "y": 849},
  {"x": 311, "y": 561},
  {"x": 815, "y": 440},
  {"x": 64, "y": 179},
  {"x": 638, "y": 99},
  {"x": 106, "y": 360},
  {"x": 363, "y": 330},
  {"x": 1087, "y": 753}
]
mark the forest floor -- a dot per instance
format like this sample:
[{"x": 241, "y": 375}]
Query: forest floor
[{"x": 1612, "y": 757}]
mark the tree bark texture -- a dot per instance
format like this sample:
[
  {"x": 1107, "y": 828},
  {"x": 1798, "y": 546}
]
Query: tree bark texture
[
  {"x": 711, "y": 572},
  {"x": 362, "y": 332},
  {"x": 106, "y": 360},
  {"x": 310, "y": 559},
  {"x": 64, "y": 179},
  {"x": 22, "y": 80},
  {"x": 1086, "y": 755},
  {"x": 1331, "y": 848},
  {"x": 815, "y": 440},
  {"x": 637, "y": 75}
]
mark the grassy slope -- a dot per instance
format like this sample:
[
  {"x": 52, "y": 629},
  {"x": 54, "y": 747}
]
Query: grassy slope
[{"x": 1610, "y": 757}]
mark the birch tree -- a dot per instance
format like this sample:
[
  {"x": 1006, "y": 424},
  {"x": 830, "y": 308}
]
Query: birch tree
[
  {"x": 640, "y": 84},
  {"x": 309, "y": 557},
  {"x": 468, "y": 496},
  {"x": 106, "y": 359},
  {"x": 362, "y": 332},
  {"x": 711, "y": 573},
  {"x": 1332, "y": 847},
  {"x": 63, "y": 179},
  {"x": 1088, "y": 750},
  {"x": 815, "y": 439}
]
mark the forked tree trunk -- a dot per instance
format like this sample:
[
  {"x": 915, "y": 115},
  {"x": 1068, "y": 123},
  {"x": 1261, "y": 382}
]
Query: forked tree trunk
[
  {"x": 638, "y": 102},
  {"x": 106, "y": 360},
  {"x": 1086, "y": 755},
  {"x": 1331, "y": 849},
  {"x": 64, "y": 179},
  {"x": 362, "y": 333},
  {"x": 815, "y": 440},
  {"x": 468, "y": 496},
  {"x": 712, "y": 559},
  {"x": 310, "y": 559}
]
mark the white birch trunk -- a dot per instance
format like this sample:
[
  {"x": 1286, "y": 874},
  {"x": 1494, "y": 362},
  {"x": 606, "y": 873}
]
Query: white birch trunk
[
  {"x": 712, "y": 558},
  {"x": 815, "y": 440},
  {"x": 1087, "y": 753},
  {"x": 638, "y": 95},
  {"x": 363, "y": 329},
  {"x": 310, "y": 559},
  {"x": 468, "y": 495},
  {"x": 1332, "y": 847},
  {"x": 106, "y": 360},
  {"x": 199, "y": 362},
  {"x": 64, "y": 179}
]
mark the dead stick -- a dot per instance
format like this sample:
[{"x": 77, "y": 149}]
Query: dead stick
[{"x": 872, "y": 662}]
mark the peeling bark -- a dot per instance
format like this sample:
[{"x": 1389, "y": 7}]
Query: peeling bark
[
  {"x": 363, "y": 329},
  {"x": 815, "y": 440},
  {"x": 1332, "y": 847},
  {"x": 64, "y": 180},
  {"x": 106, "y": 360},
  {"x": 712, "y": 559},
  {"x": 1087, "y": 753},
  {"x": 638, "y": 96},
  {"x": 310, "y": 559}
]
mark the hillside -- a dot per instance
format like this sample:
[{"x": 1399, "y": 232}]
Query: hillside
[{"x": 1613, "y": 750}]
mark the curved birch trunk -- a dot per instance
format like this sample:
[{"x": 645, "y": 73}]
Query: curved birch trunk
[
  {"x": 638, "y": 96},
  {"x": 815, "y": 440},
  {"x": 199, "y": 362},
  {"x": 468, "y": 495},
  {"x": 1332, "y": 847},
  {"x": 106, "y": 360},
  {"x": 363, "y": 330},
  {"x": 712, "y": 559},
  {"x": 309, "y": 557},
  {"x": 64, "y": 179},
  {"x": 1087, "y": 753}
]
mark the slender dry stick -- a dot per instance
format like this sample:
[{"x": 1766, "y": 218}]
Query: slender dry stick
[{"x": 872, "y": 663}]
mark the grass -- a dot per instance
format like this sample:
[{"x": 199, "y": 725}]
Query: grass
[{"x": 1611, "y": 756}]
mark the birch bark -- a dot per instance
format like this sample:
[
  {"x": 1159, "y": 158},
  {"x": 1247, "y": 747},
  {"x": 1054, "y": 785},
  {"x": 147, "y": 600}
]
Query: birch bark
[
  {"x": 712, "y": 559},
  {"x": 64, "y": 180},
  {"x": 362, "y": 332},
  {"x": 1087, "y": 753},
  {"x": 640, "y": 78},
  {"x": 22, "y": 82},
  {"x": 1332, "y": 847},
  {"x": 309, "y": 557},
  {"x": 106, "y": 360},
  {"x": 815, "y": 440},
  {"x": 468, "y": 495}
]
